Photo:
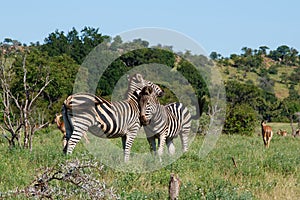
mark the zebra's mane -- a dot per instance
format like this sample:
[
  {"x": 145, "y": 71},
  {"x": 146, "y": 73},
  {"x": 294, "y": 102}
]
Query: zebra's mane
[{"x": 135, "y": 82}]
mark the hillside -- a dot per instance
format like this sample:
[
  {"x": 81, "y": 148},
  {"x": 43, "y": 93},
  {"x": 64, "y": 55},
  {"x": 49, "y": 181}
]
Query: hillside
[{"x": 276, "y": 72}]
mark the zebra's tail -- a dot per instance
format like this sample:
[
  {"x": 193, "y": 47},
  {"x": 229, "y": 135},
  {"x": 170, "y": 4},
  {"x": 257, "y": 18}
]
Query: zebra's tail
[{"x": 68, "y": 125}]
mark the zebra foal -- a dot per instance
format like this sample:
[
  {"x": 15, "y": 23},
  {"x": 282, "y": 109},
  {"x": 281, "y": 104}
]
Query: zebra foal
[
  {"x": 163, "y": 122},
  {"x": 84, "y": 112}
]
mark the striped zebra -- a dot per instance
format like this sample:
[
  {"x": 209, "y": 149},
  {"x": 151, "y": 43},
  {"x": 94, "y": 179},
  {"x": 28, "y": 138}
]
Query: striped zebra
[
  {"x": 84, "y": 112},
  {"x": 163, "y": 122}
]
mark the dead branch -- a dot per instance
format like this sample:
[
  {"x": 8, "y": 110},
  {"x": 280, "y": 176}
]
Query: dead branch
[
  {"x": 234, "y": 163},
  {"x": 14, "y": 123},
  {"x": 9, "y": 121},
  {"x": 79, "y": 176},
  {"x": 39, "y": 92}
]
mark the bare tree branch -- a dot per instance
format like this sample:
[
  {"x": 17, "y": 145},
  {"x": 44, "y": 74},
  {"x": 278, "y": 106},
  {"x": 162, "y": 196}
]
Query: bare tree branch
[
  {"x": 14, "y": 120},
  {"x": 79, "y": 175},
  {"x": 40, "y": 91}
]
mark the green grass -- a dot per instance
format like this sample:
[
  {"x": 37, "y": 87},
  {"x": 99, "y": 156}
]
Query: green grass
[{"x": 260, "y": 173}]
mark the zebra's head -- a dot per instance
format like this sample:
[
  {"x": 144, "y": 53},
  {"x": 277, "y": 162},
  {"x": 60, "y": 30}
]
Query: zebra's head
[
  {"x": 137, "y": 82},
  {"x": 148, "y": 104}
]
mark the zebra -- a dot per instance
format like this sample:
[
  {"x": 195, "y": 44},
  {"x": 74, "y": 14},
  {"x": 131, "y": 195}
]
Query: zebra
[
  {"x": 163, "y": 122},
  {"x": 84, "y": 112}
]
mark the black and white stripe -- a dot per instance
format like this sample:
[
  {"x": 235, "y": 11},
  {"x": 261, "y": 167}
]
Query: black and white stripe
[
  {"x": 163, "y": 122},
  {"x": 84, "y": 112}
]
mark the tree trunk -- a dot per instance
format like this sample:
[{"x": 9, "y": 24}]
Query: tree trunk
[
  {"x": 26, "y": 130},
  {"x": 174, "y": 187},
  {"x": 291, "y": 123}
]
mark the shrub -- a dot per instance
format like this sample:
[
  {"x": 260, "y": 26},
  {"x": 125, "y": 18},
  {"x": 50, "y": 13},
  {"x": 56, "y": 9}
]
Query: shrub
[
  {"x": 274, "y": 69},
  {"x": 241, "y": 119}
]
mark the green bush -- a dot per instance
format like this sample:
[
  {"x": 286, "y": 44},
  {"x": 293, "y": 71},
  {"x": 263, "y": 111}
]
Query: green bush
[
  {"x": 274, "y": 69},
  {"x": 241, "y": 119}
]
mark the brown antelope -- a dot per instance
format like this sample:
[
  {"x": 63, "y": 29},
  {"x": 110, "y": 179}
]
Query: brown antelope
[
  {"x": 61, "y": 126},
  {"x": 282, "y": 132},
  {"x": 266, "y": 133}
]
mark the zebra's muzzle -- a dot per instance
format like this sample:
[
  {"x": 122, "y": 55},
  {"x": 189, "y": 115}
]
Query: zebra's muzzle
[{"x": 144, "y": 120}]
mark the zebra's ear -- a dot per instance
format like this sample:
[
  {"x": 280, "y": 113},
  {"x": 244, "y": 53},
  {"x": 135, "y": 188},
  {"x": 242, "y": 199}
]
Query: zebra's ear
[
  {"x": 137, "y": 92},
  {"x": 147, "y": 90},
  {"x": 139, "y": 77},
  {"x": 128, "y": 77}
]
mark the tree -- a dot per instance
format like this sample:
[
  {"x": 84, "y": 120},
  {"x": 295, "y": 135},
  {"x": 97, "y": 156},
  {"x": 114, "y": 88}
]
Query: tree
[
  {"x": 62, "y": 70},
  {"x": 18, "y": 108},
  {"x": 214, "y": 55},
  {"x": 284, "y": 54},
  {"x": 76, "y": 45},
  {"x": 117, "y": 43},
  {"x": 247, "y": 51},
  {"x": 283, "y": 50},
  {"x": 263, "y": 50},
  {"x": 238, "y": 93},
  {"x": 241, "y": 119},
  {"x": 291, "y": 108}
]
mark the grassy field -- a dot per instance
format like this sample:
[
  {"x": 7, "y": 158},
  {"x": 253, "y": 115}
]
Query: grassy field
[{"x": 260, "y": 173}]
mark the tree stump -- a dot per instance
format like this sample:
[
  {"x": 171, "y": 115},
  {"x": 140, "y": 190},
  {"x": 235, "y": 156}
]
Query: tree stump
[{"x": 174, "y": 186}]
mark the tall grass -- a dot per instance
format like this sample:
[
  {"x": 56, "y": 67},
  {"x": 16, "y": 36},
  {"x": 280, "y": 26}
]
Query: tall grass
[{"x": 259, "y": 173}]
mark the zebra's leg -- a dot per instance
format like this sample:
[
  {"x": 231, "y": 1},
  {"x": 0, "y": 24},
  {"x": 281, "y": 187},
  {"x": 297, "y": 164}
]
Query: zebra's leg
[
  {"x": 162, "y": 141},
  {"x": 152, "y": 143},
  {"x": 184, "y": 137},
  {"x": 124, "y": 142},
  {"x": 151, "y": 139},
  {"x": 127, "y": 145},
  {"x": 171, "y": 147},
  {"x": 80, "y": 128},
  {"x": 86, "y": 138}
]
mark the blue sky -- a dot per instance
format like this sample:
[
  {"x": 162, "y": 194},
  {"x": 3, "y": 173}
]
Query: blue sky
[{"x": 222, "y": 26}]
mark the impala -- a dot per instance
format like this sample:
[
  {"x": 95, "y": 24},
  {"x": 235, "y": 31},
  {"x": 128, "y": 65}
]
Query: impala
[
  {"x": 266, "y": 133},
  {"x": 282, "y": 132}
]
